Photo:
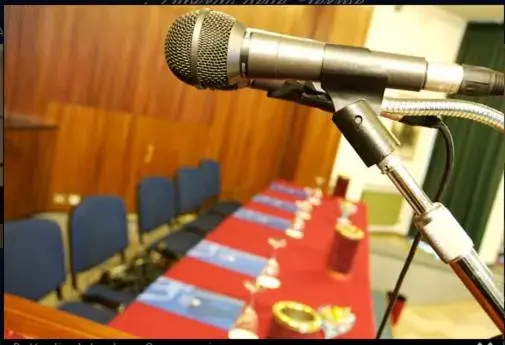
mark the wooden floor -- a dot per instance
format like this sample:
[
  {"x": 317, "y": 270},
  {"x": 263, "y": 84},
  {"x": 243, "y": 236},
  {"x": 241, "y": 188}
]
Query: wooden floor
[{"x": 459, "y": 320}]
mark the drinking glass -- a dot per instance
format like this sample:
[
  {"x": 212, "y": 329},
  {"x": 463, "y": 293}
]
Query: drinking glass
[
  {"x": 320, "y": 182},
  {"x": 347, "y": 209},
  {"x": 303, "y": 206},
  {"x": 317, "y": 193},
  {"x": 269, "y": 278},
  {"x": 297, "y": 226},
  {"x": 246, "y": 326}
]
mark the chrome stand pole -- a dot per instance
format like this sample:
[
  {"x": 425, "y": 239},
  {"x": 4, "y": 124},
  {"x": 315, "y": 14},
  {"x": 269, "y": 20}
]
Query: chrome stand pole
[{"x": 374, "y": 143}]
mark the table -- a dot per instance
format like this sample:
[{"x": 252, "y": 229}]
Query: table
[
  {"x": 26, "y": 319},
  {"x": 302, "y": 272}
]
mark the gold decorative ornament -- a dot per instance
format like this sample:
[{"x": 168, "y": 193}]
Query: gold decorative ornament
[
  {"x": 297, "y": 317},
  {"x": 350, "y": 231}
]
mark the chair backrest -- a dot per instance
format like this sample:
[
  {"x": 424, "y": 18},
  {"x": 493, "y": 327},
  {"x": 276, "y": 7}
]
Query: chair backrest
[
  {"x": 98, "y": 230},
  {"x": 190, "y": 189},
  {"x": 212, "y": 172},
  {"x": 34, "y": 258},
  {"x": 155, "y": 203}
]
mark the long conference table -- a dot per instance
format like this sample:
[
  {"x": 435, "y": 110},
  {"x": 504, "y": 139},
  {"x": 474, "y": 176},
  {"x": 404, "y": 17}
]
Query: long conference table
[{"x": 303, "y": 274}]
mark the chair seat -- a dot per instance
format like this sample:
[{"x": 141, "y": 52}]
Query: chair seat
[
  {"x": 225, "y": 208},
  {"x": 100, "y": 293},
  {"x": 88, "y": 311},
  {"x": 205, "y": 223},
  {"x": 178, "y": 243}
]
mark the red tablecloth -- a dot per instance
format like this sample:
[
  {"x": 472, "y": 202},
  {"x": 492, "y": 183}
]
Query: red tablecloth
[{"x": 302, "y": 272}]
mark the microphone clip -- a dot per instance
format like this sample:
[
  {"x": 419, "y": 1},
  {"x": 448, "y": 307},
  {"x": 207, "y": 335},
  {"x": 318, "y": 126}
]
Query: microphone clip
[
  {"x": 357, "y": 102},
  {"x": 304, "y": 93}
]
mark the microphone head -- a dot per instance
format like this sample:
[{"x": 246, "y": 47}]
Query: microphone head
[{"x": 202, "y": 48}]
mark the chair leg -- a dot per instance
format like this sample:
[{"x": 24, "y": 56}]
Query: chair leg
[
  {"x": 122, "y": 255},
  {"x": 59, "y": 293},
  {"x": 74, "y": 282}
]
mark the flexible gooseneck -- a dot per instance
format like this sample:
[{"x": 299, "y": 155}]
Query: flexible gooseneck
[
  {"x": 395, "y": 109},
  {"x": 311, "y": 94}
]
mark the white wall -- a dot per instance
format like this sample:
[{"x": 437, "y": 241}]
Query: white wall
[
  {"x": 426, "y": 31},
  {"x": 433, "y": 33}
]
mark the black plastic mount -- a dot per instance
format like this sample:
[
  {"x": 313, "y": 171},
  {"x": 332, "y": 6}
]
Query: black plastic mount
[
  {"x": 302, "y": 93},
  {"x": 357, "y": 102}
]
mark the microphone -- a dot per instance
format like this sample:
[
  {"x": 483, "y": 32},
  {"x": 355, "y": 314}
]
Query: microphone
[{"x": 212, "y": 50}]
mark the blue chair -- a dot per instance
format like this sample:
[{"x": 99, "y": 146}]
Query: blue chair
[
  {"x": 98, "y": 231},
  {"x": 212, "y": 177},
  {"x": 156, "y": 206},
  {"x": 191, "y": 194},
  {"x": 35, "y": 266}
]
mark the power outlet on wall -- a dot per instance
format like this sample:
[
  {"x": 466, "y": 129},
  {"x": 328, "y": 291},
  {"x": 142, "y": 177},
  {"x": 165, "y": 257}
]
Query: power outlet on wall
[
  {"x": 74, "y": 199},
  {"x": 59, "y": 199}
]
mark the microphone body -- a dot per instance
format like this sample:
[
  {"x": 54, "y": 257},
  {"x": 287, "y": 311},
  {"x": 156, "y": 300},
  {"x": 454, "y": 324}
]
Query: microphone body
[
  {"x": 271, "y": 56},
  {"x": 218, "y": 52}
]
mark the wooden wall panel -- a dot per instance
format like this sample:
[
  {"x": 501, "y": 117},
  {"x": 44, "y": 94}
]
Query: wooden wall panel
[
  {"x": 112, "y": 57},
  {"x": 312, "y": 148},
  {"x": 28, "y": 159},
  {"x": 99, "y": 72},
  {"x": 77, "y": 149}
]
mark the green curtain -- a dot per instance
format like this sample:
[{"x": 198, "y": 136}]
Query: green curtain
[{"x": 480, "y": 151}]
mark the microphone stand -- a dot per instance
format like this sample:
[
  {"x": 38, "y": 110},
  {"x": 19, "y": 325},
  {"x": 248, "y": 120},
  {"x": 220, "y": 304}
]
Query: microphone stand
[{"x": 356, "y": 102}]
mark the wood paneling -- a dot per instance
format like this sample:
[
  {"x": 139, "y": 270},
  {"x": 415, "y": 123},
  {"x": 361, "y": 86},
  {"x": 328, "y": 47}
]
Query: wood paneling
[
  {"x": 28, "y": 159},
  {"x": 312, "y": 148},
  {"x": 35, "y": 321},
  {"x": 99, "y": 72}
]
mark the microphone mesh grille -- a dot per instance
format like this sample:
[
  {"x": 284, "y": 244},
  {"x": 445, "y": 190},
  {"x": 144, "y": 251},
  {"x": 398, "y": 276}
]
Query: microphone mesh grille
[
  {"x": 178, "y": 46},
  {"x": 212, "y": 59},
  {"x": 213, "y": 40}
]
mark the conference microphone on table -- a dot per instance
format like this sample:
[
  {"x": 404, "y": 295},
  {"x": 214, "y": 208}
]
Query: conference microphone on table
[{"x": 212, "y": 50}]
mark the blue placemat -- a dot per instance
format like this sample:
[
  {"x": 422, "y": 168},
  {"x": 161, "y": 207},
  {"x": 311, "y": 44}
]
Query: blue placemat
[
  {"x": 229, "y": 258},
  {"x": 193, "y": 303},
  {"x": 277, "y": 203},
  {"x": 299, "y": 192},
  {"x": 273, "y": 222}
]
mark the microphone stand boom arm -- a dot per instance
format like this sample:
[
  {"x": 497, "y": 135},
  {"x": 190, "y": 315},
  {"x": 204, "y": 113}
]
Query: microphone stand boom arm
[{"x": 356, "y": 109}]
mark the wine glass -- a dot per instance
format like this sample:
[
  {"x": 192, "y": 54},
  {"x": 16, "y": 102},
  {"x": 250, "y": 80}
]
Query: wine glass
[
  {"x": 302, "y": 215},
  {"x": 297, "y": 226},
  {"x": 320, "y": 182},
  {"x": 304, "y": 209},
  {"x": 269, "y": 278},
  {"x": 303, "y": 205},
  {"x": 246, "y": 326},
  {"x": 347, "y": 209},
  {"x": 317, "y": 193}
]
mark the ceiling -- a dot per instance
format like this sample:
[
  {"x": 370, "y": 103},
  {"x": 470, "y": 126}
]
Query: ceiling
[{"x": 477, "y": 12}]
